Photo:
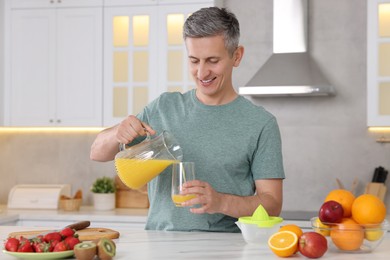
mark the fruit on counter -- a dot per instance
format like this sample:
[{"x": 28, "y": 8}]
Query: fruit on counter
[
  {"x": 85, "y": 251},
  {"x": 312, "y": 245},
  {"x": 331, "y": 212},
  {"x": 71, "y": 241},
  {"x": 11, "y": 244},
  {"x": 52, "y": 236},
  {"x": 347, "y": 235},
  {"x": 106, "y": 249},
  {"x": 283, "y": 243},
  {"x": 25, "y": 245},
  {"x": 373, "y": 233},
  {"x": 344, "y": 197},
  {"x": 61, "y": 246},
  {"x": 57, "y": 241},
  {"x": 67, "y": 232},
  {"x": 321, "y": 228},
  {"x": 368, "y": 209},
  {"x": 293, "y": 228},
  {"x": 40, "y": 246}
]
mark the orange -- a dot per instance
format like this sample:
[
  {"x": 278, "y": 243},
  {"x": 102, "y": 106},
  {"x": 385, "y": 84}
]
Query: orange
[
  {"x": 347, "y": 235},
  {"x": 344, "y": 197},
  {"x": 283, "y": 243},
  {"x": 368, "y": 209},
  {"x": 293, "y": 228}
]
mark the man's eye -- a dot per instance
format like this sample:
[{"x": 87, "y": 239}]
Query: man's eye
[
  {"x": 213, "y": 61},
  {"x": 194, "y": 61}
]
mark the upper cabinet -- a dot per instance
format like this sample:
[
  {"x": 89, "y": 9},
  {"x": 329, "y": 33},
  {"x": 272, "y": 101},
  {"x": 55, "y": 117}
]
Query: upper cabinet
[
  {"x": 54, "y": 70},
  {"x": 378, "y": 63},
  {"x": 144, "y": 54},
  {"x": 54, "y": 3},
  {"x": 54, "y": 77}
]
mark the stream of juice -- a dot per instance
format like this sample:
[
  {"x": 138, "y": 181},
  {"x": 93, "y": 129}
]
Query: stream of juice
[{"x": 136, "y": 173}]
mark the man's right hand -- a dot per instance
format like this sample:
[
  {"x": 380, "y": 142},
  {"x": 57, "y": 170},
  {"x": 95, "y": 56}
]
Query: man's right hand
[{"x": 130, "y": 128}]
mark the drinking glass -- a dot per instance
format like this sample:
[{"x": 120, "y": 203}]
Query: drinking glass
[{"x": 181, "y": 173}]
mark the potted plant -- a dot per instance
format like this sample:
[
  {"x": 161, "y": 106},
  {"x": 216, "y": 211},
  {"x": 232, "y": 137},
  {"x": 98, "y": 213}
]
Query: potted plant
[{"x": 104, "y": 193}]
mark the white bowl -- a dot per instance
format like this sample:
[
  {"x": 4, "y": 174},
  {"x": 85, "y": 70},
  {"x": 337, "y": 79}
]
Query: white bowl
[{"x": 253, "y": 234}]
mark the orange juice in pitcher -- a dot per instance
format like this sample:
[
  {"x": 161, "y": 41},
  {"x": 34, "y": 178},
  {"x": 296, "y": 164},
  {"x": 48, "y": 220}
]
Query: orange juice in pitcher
[
  {"x": 137, "y": 165},
  {"x": 135, "y": 173}
]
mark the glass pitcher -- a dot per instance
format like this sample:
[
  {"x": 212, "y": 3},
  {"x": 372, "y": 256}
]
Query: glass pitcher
[{"x": 138, "y": 164}]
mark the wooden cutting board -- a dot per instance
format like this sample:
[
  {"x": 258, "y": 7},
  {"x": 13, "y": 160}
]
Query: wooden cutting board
[{"x": 84, "y": 234}]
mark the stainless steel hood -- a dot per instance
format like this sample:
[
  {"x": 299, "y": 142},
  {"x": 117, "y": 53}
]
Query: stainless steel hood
[{"x": 290, "y": 70}]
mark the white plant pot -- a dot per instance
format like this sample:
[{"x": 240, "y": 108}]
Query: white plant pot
[{"x": 104, "y": 201}]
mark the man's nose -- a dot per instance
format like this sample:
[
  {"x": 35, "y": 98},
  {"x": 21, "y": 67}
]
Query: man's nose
[{"x": 203, "y": 71}]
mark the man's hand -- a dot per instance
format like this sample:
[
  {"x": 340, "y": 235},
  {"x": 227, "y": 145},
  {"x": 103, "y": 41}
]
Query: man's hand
[
  {"x": 210, "y": 201},
  {"x": 268, "y": 193},
  {"x": 130, "y": 128}
]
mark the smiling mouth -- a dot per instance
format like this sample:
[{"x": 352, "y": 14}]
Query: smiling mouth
[{"x": 207, "y": 81}]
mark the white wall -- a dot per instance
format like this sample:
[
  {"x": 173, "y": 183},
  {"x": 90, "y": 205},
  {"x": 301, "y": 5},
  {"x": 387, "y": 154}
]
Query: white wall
[{"x": 2, "y": 16}]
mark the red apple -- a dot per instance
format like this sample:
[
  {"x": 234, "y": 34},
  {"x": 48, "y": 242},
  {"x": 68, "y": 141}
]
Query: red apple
[
  {"x": 312, "y": 245},
  {"x": 331, "y": 212}
]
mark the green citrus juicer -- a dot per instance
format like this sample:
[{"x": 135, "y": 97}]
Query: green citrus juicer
[{"x": 261, "y": 218}]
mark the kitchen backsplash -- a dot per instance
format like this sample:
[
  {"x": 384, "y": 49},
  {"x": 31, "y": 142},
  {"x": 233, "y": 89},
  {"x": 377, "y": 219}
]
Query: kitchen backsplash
[{"x": 49, "y": 158}]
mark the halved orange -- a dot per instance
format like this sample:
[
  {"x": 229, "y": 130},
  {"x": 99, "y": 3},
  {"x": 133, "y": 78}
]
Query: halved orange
[
  {"x": 293, "y": 228},
  {"x": 283, "y": 243}
]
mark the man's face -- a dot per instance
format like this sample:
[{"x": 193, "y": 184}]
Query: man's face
[{"x": 211, "y": 66}]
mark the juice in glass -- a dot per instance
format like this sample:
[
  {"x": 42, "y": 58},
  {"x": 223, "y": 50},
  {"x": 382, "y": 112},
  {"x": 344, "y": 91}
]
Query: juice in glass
[
  {"x": 178, "y": 199},
  {"x": 181, "y": 173}
]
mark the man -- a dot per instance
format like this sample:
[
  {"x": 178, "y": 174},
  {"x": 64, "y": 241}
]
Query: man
[{"x": 235, "y": 145}]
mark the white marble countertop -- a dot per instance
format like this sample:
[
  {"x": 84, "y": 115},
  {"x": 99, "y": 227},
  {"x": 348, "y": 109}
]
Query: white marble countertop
[{"x": 140, "y": 244}]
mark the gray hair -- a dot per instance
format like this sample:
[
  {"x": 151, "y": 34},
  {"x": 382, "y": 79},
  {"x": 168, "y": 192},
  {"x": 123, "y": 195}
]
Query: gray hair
[{"x": 212, "y": 21}]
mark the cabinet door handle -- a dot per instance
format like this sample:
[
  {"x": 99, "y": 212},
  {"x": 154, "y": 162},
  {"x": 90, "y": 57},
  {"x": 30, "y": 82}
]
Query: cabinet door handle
[
  {"x": 52, "y": 1},
  {"x": 58, "y": 120},
  {"x": 59, "y": 1},
  {"x": 51, "y": 121}
]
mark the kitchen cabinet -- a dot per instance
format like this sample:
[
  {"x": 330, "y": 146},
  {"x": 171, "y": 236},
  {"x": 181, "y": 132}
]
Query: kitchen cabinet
[
  {"x": 378, "y": 63},
  {"x": 54, "y": 76},
  {"x": 144, "y": 53}
]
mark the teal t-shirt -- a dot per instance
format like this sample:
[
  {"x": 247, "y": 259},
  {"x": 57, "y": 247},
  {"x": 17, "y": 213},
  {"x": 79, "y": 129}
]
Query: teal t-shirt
[{"x": 232, "y": 145}]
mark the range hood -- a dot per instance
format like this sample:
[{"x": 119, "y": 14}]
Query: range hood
[{"x": 290, "y": 70}]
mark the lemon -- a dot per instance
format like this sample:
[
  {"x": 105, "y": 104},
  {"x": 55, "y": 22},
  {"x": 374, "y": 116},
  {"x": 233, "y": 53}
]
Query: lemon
[
  {"x": 321, "y": 228},
  {"x": 373, "y": 235}
]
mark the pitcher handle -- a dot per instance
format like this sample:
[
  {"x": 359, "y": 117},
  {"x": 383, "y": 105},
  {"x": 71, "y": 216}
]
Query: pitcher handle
[{"x": 147, "y": 138}]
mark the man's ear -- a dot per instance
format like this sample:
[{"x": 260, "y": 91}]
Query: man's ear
[{"x": 238, "y": 54}]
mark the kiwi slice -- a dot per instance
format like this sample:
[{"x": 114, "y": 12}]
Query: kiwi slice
[
  {"x": 85, "y": 251},
  {"x": 106, "y": 249}
]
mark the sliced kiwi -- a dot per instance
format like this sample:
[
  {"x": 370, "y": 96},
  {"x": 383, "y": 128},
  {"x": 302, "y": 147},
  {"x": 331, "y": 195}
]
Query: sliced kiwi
[
  {"x": 106, "y": 249},
  {"x": 85, "y": 251}
]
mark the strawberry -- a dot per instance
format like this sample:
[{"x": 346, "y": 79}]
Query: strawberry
[
  {"x": 67, "y": 232},
  {"x": 11, "y": 244},
  {"x": 61, "y": 246},
  {"x": 25, "y": 246},
  {"x": 71, "y": 242},
  {"x": 41, "y": 247},
  {"x": 53, "y": 236},
  {"x": 52, "y": 244}
]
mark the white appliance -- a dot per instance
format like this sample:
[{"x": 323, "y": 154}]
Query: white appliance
[{"x": 37, "y": 196}]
